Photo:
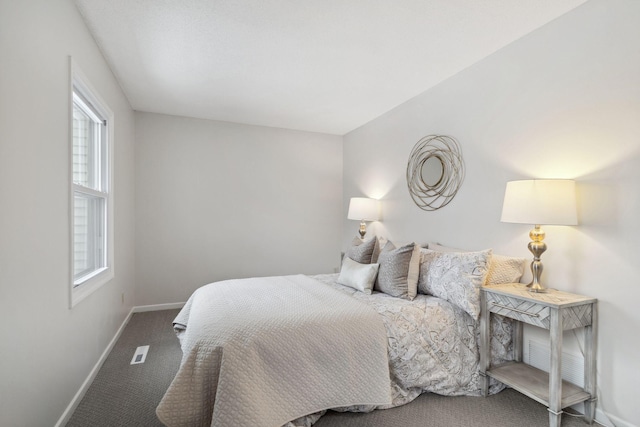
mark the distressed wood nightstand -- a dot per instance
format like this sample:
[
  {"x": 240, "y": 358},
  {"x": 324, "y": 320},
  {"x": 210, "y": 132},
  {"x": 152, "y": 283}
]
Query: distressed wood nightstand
[{"x": 555, "y": 311}]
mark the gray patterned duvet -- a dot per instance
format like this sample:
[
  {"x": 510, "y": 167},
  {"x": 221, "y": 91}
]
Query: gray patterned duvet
[{"x": 432, "y": 347}]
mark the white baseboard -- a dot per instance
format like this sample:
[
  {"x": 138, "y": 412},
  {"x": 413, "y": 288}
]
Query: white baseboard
[
  {"x": 157, "y": 307},
  {"x": 615, "y": 421},
  {"x": 66, "y": 415},
  {"x": 601, "y": 417},
  {"x": 68, "y": 412}
]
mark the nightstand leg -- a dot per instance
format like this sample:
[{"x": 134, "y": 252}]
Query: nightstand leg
[
  {"x": 555, "y": 418},
  {"x": 555, "y": 371},
  {"x": 485, "y": 343},
  {"x": 517, "y": 340},
  {"x": 590, "y": 339}
]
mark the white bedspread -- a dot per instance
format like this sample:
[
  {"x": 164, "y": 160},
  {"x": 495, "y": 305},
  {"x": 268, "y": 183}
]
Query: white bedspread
[{"x": 261, "y": 352}]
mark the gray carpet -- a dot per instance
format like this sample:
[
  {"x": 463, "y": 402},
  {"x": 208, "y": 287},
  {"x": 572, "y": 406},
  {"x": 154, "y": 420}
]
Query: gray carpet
[{"x": 127, "y": 395}]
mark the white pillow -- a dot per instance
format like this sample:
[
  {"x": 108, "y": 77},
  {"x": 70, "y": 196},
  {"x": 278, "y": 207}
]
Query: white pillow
[{"x": 358, "y": 276}]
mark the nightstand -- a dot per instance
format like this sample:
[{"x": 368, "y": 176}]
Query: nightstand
[{"x": 555, "y": 311}]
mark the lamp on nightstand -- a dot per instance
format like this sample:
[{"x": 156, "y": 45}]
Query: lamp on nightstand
[
  {"x": 363, "y": 209},
  {"x": 539, "y": 201}
]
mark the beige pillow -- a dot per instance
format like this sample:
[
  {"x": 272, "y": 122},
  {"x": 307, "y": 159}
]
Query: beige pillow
[
  {"x": 505, "y": 269},
  {"x": 358, "y": 276},
  {"x": 399, "y": 270}
]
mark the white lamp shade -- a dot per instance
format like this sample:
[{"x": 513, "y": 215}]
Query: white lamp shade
[
  {"x": 540, "y": 202},
  {"x": 364, "y": 209}
]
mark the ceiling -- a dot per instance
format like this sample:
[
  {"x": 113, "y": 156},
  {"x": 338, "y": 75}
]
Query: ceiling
[{"x": 316, "y": 65}]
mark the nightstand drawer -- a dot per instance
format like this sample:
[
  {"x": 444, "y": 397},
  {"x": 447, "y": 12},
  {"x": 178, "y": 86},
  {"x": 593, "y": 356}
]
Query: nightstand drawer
[{"x": 518, "y": 309}]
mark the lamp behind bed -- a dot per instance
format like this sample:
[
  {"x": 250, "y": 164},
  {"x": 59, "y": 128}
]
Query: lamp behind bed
[{"x": 363, "y": 209}]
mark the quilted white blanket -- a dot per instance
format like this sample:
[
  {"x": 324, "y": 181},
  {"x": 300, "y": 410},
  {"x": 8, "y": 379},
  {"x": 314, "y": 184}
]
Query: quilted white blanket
[{"x": 264, "y": 351}]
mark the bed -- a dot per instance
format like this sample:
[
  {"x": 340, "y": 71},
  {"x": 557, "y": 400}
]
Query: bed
[{"x": 280, "y": 351}]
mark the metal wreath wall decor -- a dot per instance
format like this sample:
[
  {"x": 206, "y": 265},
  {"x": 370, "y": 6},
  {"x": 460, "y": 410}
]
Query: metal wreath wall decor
[{"x": 435, "y": 171}]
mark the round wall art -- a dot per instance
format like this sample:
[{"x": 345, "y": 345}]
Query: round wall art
[{"x": 435, "y": 171}]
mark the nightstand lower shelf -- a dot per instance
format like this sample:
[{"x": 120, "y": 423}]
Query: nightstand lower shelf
[{"x": 534, "y": 383}]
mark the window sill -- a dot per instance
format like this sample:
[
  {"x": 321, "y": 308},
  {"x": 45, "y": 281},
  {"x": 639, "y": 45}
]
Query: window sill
[{"x": 88, "y": 285}]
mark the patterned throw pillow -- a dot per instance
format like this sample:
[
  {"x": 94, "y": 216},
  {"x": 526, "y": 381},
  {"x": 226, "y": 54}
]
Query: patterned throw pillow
[
  {"x": 505, "y": 269},
  {"x": 455, "y": 277},
  {"x": 358, "y": 276},
  {"x": 398, "y": 272},
  {"x": 361, "y": 252}
]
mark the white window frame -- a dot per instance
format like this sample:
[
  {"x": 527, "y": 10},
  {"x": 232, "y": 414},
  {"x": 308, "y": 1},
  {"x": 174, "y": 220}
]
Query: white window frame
[{"x": 82, "y": 287}]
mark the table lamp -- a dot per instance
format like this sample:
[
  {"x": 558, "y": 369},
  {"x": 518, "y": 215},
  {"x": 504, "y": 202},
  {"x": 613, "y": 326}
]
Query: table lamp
[
  {"x": 539, "y": 202},
  {"x": 363, "y": 209}
]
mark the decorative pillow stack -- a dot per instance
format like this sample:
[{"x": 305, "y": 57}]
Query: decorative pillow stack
[
  {"x": 394, "y": 271},
  {"x": 447, "y": 273},
  {"x": 502, "y": 269},
  {"x": 358, "y": 272}
]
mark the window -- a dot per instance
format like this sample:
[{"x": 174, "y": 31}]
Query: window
[{"x": 91, "y": 201}]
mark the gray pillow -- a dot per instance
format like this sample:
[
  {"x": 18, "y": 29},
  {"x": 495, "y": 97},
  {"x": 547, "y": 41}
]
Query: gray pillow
[
  {"x": 398, "y": 271},
  {"x": 377, "y": 248},
  {"x": 361, "y": 252}
]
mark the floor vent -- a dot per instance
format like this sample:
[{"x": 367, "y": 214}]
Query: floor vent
[
  {"x": 140, "y": 355},
  {"x": 539, "y": 354}
]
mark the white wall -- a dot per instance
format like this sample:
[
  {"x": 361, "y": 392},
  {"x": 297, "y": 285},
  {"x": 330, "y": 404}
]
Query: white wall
[
  {"x": 216, "y": 200},
  {"x": 562, "y": 102},
  {"x": 46, "y": 349}
]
